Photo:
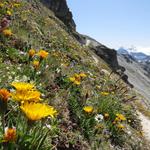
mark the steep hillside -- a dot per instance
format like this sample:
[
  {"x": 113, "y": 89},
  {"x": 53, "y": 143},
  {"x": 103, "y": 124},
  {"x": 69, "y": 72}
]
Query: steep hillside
[
  {"x": 137, "y": 75},
  {"x": 56, "y": 93}
]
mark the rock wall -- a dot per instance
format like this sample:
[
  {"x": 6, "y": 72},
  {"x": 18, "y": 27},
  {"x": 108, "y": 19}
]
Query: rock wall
[{"x": 61, "y": 10}]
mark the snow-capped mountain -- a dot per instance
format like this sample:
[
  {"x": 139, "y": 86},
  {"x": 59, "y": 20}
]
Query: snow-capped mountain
[{"x": 132, "y": 52}]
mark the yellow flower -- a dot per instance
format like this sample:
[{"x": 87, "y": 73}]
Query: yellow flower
[
  {"x": 10, "y": 134},
  {"x": 4, "y": 94},
  {"x": 72, "y": 79},
  {"x": 37, "y": 111},
  {"x": 31, "y": 52},
  {"x": 104, "y": 93},
  {"x": 106, "y": 115},
  {"x": 77, "y": 76},
  {"x": 83, "y": 75},
  {"x": 121, "y": 117},
  {"x": 117, "y": 119},
  {"x": 23, "y": 96},
  {"x": 7, "y": 32},
  {"x": 120, "y": 126},
  {"x": 25, "y": 92},
  {"x": 43, "y": 54},
  {"x": 8, "y": 12},
  {"x": 16, "y": 5},
  {"x": 112, "y": 93},
  {"x": 98, "y": 87},
  {"x": 36, "y": 64},
  {"x": 1, "y": 5},
  {"x": 88, "y": 109},
  {"x": 23, "y": 86},
  {"x": 77, "y": 82}
]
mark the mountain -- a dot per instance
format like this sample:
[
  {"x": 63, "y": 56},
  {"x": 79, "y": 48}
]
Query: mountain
[
  {"x": 60, "y": 89},
  {"x": 137, "y": 68},
  {"x": 138, "y": 56}
]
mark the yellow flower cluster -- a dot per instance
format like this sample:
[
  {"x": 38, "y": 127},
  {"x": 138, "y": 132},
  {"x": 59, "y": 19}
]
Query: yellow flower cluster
[
  {"x": 119, "y": 118},
  {"x": 42, "y": 54},
  {"x": 25, "y": 92},
  {"x": 76, "y": 78},
  {"x": 29, "y": 97},
  {"x": 10, "y": 4}
]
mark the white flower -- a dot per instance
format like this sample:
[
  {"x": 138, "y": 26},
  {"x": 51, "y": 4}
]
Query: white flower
[
  {"x": 47, "y": 66},
  {"x": 48, "y": 126},
  {"x": 38, "y": 73},
  {"x": 25, "y": 78},
  {"x": 99, "y": 117},
  {"x": 19, "y": 68},
  {"x": 10, "y": 77},
  {"x": 13, "y": 73}
]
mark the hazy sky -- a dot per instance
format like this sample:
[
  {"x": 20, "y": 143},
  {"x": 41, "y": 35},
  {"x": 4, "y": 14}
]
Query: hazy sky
[{"x": 114, "y": 23}]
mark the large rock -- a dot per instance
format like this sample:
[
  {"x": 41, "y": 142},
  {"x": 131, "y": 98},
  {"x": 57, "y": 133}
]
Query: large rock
[
  {"x": 61, "y": 10},
  {"x": 107, "y": 54}
]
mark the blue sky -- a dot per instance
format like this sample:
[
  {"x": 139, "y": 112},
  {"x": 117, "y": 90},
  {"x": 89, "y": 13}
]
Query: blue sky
[{"x": 114, "y": 23}]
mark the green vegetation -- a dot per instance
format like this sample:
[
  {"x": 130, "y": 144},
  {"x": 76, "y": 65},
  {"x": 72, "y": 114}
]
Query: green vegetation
[{"x": 93, "y": 109}]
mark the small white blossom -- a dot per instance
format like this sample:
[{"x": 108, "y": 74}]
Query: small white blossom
[{"x": 99, "y": 117}]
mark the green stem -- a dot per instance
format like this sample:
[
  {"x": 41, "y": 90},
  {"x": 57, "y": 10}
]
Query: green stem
[{"x": 3, "y": 122}]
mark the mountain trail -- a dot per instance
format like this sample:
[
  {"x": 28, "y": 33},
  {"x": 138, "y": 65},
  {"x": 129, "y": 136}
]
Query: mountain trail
[{"x": 145, "y": 121}]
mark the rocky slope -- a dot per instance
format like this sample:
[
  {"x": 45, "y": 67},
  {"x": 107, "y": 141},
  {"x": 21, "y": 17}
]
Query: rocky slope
[{"x": 136, "y": 75}]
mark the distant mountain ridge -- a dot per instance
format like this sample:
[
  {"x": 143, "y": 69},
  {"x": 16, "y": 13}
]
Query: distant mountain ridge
[{"x": 138, "y": 56}]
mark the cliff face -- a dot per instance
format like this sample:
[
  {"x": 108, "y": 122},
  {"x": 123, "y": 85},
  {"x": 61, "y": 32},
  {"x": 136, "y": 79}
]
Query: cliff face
[{"x": 61, "y": 10}]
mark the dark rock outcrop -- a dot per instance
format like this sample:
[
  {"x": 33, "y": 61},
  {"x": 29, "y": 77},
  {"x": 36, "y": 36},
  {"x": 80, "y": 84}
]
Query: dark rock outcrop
[
  {"x": 61, "y": 10},
  {"x": 107, "y": 54}
]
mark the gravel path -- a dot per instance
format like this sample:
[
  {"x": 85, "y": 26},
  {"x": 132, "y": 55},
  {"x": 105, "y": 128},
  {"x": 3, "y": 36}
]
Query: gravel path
[{"x": 146, "y": 125}]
